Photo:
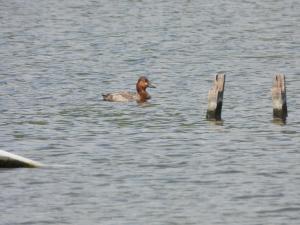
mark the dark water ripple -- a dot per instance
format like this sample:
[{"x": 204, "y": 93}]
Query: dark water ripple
[{"x": 157, "y": 163}]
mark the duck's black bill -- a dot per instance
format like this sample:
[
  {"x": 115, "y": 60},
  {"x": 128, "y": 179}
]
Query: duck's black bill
[{"x": 150, "y": 85}]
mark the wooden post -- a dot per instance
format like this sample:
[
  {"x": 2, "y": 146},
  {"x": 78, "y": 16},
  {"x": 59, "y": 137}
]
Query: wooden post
[
  {"x": 215, "y": 98},
  {"x": 279, "y": 98},
  {"x": 9, "y": 160}
]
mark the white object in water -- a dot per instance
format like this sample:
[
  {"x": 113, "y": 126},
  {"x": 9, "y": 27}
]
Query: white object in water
[{"x": 9, "y": 160}]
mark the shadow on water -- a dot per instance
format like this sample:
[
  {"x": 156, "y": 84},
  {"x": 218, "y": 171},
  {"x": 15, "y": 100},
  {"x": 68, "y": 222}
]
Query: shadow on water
[
  {"x": 279, "y": 122},
  {"x": 216, "y": 122}
]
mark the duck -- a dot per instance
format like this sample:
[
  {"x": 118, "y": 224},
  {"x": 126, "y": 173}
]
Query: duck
[{"x": 141, "y": 94}]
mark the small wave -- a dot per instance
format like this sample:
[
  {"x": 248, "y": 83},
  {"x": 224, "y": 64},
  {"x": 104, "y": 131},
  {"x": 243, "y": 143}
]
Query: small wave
[{"x": 285, "y": 209}]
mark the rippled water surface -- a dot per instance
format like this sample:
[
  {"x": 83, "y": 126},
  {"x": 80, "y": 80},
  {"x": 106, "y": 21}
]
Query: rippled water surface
[{"x": 161, "y": 162}]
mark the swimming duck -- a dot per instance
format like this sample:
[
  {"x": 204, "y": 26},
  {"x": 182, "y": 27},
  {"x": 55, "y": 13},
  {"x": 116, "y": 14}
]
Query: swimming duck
[{"x": 141, "y": 96}]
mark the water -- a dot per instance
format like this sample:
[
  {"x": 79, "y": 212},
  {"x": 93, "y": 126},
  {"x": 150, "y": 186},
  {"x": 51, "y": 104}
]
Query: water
[{"x": 161, "y": 162}]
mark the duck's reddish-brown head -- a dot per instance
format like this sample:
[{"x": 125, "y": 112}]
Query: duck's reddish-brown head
[{"x": 144, "y": 83}]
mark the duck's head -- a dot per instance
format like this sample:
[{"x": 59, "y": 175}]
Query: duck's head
[{"x": 144, "y": 83}]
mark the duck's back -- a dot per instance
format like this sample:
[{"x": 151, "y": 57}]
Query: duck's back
[{"x": 123, "y": 96}]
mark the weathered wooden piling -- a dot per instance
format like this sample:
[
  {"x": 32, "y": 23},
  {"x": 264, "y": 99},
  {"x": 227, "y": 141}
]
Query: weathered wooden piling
[
  {"x": 215, "y": 98},
  {"x": 9, "y": 160},
  {"x": 279, "y": 98}
]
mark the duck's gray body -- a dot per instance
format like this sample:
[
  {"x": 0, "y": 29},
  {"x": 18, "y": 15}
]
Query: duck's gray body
[{"x": 123, "y": 96}]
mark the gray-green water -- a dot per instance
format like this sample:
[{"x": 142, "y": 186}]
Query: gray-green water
[{"x": 158, "y": 163}]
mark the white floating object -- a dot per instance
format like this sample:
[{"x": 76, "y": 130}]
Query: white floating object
[{"x": 9, "y": 160}]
